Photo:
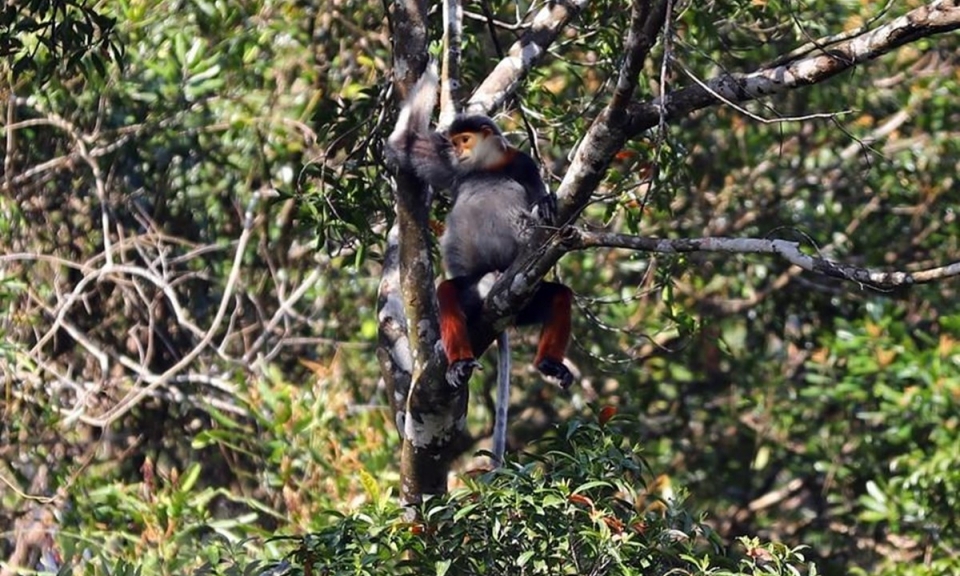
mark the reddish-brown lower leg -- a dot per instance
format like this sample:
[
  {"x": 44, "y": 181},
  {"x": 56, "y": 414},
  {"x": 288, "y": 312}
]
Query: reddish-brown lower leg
[
  {"x": 553, "y": 305},
  {"x": 555, "y": 335},
  {"x": 453, "y": 323}
]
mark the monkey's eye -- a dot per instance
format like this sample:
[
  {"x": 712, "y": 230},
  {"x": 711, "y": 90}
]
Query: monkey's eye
[{"x": 462, "y": 142}]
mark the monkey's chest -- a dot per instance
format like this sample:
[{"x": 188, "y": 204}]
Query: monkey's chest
[{"x": 483, "y": 232}]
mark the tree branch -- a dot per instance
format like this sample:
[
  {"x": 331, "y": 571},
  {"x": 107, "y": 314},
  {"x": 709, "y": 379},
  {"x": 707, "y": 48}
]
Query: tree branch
[
  {"x": 607, "y": 134},
  {"x": 523, "y": 55},
  {"x": 937, "y": 17},
  {"x": 428, "y": 413},
  {"x": 450, "y": 72},
  {"x": 789, "y": 251}
]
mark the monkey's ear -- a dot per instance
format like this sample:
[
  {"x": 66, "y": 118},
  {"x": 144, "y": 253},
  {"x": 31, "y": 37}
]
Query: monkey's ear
[{"x": 486, "y": 131}]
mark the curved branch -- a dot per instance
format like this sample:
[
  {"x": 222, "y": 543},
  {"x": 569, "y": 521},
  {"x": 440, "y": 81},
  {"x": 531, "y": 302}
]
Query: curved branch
[{"x": 133, "y": 397}]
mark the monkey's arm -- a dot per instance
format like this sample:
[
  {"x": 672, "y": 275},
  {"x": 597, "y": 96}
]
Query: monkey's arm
[
  {"x": 413, "y": 145},
  {"x": 428, "y": 155},
  {"x": 542, "y": 202}
]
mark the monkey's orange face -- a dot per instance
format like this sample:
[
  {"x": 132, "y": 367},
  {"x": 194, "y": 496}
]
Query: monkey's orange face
[
  {"x": 463, "y": 144},
  {"x": 478, "y": 150}
]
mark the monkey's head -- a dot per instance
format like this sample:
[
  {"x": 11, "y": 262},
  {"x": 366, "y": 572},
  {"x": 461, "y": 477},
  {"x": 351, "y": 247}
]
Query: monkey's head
[{"x": 477, "y": 142}]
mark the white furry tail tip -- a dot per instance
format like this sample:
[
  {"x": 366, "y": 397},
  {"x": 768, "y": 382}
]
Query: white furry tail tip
[{"x": 418, "y": 107}]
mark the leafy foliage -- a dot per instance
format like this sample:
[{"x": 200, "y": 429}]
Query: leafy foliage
[
  {"x": 46, "y": 37},
  {"x": 585, "y": 504}
]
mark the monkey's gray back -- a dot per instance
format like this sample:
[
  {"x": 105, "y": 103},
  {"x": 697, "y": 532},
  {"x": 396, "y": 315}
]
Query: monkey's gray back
[{"x": 484, "y": 229}]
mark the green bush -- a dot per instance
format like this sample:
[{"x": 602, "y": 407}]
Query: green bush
[{"x": 585, "y": 503}]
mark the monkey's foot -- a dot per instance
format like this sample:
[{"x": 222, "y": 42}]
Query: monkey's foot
[
  {"x": 556, "y": 372},
  {"x": 460, "y": 371}
]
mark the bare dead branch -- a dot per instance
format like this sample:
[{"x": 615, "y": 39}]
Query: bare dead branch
[
  {"x": 82, "y": 151},
  {"x": 790, "y": 251},
  {"x": 96, "y": 275},
  {"x": 285, "y": 308},
  {"x": 132, "y": 398}
]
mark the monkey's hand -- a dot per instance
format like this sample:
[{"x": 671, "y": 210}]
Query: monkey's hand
[
  {"x": 555, "y": 372},
  {"x": 460, "y": 371},
  {"x": 545, "y": 209}
]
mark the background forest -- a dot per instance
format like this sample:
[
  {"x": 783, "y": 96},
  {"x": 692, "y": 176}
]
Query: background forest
[{"x": 193, "y": 213}]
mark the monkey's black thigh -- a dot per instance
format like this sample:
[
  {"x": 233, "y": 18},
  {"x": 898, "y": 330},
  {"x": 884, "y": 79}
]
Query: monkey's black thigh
[
  {"x": 469, "y": 295},
  {"x": 540, "y": 308}
]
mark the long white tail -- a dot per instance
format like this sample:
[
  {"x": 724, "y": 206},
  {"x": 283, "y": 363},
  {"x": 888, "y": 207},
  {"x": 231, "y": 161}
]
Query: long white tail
[
  {"x": 418, "y": 107},
  {"x": 503, "y": 399}
]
